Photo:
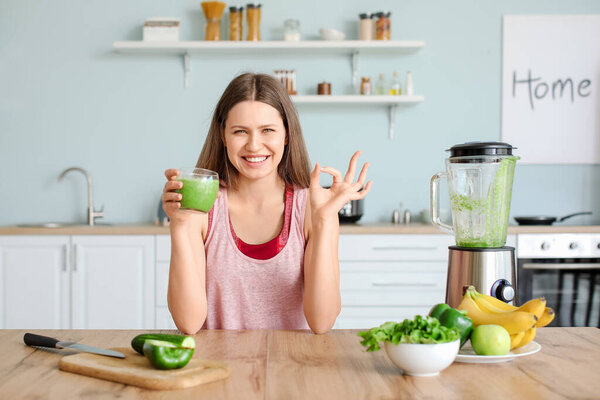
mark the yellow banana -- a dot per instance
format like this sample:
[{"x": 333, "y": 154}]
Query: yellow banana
[
  {"x": 527, "y": 337},
  {"x": 515, "y": 340},
  {"x": 494, "y": 302},
  {"x": 547, "y": 317},
  {"x": 535, "y": 306},
  {"x": 513, "y": 322}
]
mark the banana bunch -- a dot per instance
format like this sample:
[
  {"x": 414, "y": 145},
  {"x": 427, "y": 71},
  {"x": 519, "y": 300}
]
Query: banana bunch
[{"x": 520, "y": 322}]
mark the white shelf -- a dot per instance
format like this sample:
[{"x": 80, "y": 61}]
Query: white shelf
[
  {"x": 351, "y": 47},
  {"x": 357, "y": 99},
  {"x": 221, "y": 47},
  {"x": 392, "y": 101},
  {"x": 280, "y": 47}
]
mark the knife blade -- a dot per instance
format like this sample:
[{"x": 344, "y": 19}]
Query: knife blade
[{"x": 32, "y": 339}]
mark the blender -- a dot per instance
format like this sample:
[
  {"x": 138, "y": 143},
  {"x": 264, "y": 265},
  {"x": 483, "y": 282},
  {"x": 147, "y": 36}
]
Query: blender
[{"x": 480, "y": 178}]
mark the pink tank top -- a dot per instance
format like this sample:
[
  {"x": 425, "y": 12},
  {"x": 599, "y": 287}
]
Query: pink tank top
[{"x": 246, "y": 293}]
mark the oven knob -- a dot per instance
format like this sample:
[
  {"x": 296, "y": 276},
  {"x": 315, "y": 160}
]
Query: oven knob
[
  {"x": 503, "y": 290},
  {"x": 573, "y": 246},
  {"x": 545, "y": 246}
]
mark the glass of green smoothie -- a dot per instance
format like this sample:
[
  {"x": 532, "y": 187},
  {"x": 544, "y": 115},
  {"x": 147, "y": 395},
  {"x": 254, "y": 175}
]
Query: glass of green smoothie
[{"x": 200, "y": 188}]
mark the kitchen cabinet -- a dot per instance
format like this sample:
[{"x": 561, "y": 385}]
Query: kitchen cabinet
[
  {"x": 391, "y": 277},
  {"x": 163, "y": 258},
  {"x": 112, "y": 282},
  {"x": 34, "y": 282},
  {"x": 78, "y": 282},
  {"x": 353, "y": 48}
]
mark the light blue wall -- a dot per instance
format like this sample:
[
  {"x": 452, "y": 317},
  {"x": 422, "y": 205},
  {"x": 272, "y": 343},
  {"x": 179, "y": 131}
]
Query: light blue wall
[{"x": 68, "y": 99}]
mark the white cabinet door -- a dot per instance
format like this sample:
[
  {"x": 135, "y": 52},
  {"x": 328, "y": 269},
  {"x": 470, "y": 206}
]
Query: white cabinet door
[
  {"x": 164, "y": 320},
  {"x": 390, "y": 277},
  {"x": 113, "y": 282},
  {"x": 34, "y": 282}
]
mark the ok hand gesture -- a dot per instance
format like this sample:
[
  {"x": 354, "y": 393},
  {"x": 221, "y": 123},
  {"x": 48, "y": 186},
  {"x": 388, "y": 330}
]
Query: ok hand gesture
[{"x": 325, "y": 203}]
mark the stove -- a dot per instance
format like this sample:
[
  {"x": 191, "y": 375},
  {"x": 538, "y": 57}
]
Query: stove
[{"x": 565, "y": 269}]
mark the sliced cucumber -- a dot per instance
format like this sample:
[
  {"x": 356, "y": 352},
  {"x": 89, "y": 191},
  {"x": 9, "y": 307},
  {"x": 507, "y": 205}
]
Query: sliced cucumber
[{"x": 137, "y": 343}]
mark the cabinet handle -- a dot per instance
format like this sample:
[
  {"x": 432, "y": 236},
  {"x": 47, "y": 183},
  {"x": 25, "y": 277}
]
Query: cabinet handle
[
  {"x": 400, "y": 284},
  {"x": 75, "y": 257},
  {"x": 404, "y": 248},
  {"x": 65, "y": 252}
]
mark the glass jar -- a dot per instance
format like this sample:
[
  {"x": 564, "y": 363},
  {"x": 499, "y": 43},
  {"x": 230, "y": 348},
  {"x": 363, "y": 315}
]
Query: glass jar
[
  {"x": 365, "y": 86},
  {"x": 383, "y": 26},
  {"x": 235, "y": 23},
  {"x": 366, "y": 27},
  {"x": 213, "y": 11},
  {"x": 253, "y": 21},
  {"x": 291, "y": 30}
]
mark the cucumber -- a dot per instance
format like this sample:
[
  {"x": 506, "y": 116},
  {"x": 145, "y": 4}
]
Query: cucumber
[{"x": 177, "y": 340}]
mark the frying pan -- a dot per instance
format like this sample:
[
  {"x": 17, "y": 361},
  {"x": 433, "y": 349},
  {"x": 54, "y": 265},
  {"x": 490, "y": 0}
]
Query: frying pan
[{"x": 546, "y": 220}]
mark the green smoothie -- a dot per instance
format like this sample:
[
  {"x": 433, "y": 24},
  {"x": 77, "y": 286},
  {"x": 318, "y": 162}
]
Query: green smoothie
[
  {"x": 198, "y": 193},
  {"x": 488, "y": 217}
]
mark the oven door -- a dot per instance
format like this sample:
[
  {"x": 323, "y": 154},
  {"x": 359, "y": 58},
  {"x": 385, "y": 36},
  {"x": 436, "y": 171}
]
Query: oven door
[{"x": 571, "y": 287}]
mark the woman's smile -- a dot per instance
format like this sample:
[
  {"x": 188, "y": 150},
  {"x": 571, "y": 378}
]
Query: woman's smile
[{"x": 255, "y": 161}]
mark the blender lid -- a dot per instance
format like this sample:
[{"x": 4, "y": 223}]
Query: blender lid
[{"x": 481, "y": 149}]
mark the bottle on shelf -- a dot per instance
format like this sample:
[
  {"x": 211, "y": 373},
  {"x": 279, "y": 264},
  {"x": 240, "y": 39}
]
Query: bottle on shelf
[
  {"x": 381, "y": 86},
  {"x": 408, "y": 86},
  {"x": 366, "y": 27},
  {"x": 396, "y": 86},
  {"x": 365, "y": 86}
]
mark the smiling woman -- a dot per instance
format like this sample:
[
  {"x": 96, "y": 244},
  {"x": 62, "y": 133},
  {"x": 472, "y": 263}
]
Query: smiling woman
[{"x": 265, "y": 256}]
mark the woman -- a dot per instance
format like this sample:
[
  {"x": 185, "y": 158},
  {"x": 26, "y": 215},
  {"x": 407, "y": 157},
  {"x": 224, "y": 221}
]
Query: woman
[{"x": 266, "y": 256}]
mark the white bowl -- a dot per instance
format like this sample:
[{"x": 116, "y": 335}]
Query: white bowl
[
  {"x": 331, "y": 34},
  {"x": 422, "y": 359}
]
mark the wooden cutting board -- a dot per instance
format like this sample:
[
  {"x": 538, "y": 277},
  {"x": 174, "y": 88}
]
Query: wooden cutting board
[{"x": 136, "y": 370}]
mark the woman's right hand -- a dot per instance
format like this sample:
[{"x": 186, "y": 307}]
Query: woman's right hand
[{"x": 171, "y": 200}]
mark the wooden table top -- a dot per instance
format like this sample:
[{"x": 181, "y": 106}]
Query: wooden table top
[
  {"x": 298, "y": 364},
  {"x": 345, "y": 229}
]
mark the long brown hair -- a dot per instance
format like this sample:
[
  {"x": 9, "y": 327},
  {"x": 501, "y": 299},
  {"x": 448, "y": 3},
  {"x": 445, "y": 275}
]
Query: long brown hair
[{"x": 294, "y": 167}]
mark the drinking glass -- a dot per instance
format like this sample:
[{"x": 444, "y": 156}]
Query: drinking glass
[{"x": 200, "y": 188}]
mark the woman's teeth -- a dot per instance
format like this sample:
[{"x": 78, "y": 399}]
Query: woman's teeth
[{"x": 256, "y": 159}]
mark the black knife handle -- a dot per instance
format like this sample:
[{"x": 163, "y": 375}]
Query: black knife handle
[{"x": 31, "y": 339}]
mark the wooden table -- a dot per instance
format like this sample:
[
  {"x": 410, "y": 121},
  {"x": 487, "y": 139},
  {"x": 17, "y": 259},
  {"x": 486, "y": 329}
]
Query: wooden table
[{"x": 301, "y": 365}]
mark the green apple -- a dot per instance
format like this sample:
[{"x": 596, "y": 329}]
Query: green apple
[{"x": 490, "y": 340}]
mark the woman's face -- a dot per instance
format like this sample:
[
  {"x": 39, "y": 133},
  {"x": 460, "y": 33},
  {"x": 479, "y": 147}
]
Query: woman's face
[{"x": 255, "y": 139}]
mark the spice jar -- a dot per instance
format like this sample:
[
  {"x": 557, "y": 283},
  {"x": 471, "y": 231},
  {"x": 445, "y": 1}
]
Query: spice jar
[
  {"x": 365, "y": 85},
  {"x": 213, "y": 10},
  {"x": 383, "y": 26},
  {"x": 366, "y": 27},
  {"x": 324, "y": 88},
  {"x": 235, "y": 23},
  {"x": 253, "y": 20},
  {"x": 291, "y": 30},
  {"x": 287, "y": 79}
]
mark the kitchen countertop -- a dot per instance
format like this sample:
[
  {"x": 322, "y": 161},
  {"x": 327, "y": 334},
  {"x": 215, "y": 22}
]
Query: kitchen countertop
[
  {"x": 367, "y": 228},
  {"x": 270, "y": 364}
]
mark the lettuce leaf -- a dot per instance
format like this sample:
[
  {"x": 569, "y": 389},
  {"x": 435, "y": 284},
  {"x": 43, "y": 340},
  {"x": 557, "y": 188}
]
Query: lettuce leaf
[{"x": 424, "y": 330}]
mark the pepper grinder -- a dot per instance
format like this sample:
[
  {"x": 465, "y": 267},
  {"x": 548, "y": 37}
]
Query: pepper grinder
[{"x": 406, "y": 217}]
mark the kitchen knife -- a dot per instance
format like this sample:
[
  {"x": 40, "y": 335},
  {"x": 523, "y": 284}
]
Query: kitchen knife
[{"x": 31, "y": 339}]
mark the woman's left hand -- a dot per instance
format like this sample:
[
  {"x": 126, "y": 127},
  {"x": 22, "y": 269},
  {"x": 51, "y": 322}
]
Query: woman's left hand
[{"x": 328, "y": 202}]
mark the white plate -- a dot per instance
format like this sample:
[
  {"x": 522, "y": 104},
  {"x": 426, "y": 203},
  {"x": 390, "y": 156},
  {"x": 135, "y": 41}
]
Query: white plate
[{"x": 467, "y": 355}]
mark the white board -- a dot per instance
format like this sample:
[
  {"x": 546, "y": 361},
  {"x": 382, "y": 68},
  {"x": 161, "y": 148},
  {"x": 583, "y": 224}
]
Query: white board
[{"x": 550, "y": 97}]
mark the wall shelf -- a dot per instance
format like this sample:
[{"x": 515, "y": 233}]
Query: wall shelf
[
  {"x": 353, "y": 48},
  {"x": 391, "y": 101}
]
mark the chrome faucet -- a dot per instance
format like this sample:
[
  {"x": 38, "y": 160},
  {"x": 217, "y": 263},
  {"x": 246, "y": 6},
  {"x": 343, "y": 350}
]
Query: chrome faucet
[{"x": 92, "y": 213}]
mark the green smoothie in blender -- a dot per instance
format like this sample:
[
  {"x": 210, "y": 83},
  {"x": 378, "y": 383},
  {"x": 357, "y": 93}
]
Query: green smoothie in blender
[{"x": 480, "y": 179}]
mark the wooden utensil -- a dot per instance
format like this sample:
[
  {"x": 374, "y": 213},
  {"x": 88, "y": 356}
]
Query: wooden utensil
[{"x": 136, "y": 370}]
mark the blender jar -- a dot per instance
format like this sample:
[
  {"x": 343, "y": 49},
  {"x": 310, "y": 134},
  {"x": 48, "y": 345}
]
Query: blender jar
[{"x": 480, "y": 178}]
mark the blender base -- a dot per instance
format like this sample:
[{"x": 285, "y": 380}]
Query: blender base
[{"x": 490, "y": 270}]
